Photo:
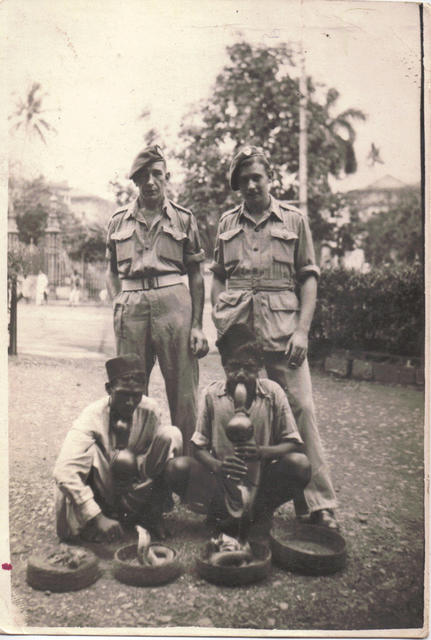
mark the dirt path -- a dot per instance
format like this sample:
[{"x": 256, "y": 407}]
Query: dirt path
[{"x": 374, "y": 439}]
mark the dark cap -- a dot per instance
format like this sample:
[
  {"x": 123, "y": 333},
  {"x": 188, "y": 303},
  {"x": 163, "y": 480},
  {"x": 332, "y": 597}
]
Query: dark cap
[
  {"x": 123, "y": 366},
  {"x": 239, "y": 338},
  {"x": 244, "y": 153},
  {"x": 146, "y": 156}
]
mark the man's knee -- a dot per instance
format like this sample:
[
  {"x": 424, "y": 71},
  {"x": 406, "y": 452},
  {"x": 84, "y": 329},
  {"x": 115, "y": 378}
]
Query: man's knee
[
  {"x": 171, "y": 436},
  {"x": 179, "y": 467},
  {"x": 177, "y": 473},
  {"x": 124, "y": 464},
  {"x": 297, "y": 468}
]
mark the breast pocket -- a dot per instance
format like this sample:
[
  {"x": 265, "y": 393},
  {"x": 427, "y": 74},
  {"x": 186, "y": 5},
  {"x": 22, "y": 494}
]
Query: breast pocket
[
  {"x": 232, "y": 244},
  {"x": 124, "y": 244},
  {"x": 283, "y": 243},
  {"x": 170, "y": 244}
]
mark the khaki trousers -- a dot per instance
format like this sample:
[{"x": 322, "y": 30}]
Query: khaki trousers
[
  {"x": 157, "y": 323},
  {"x": 319, "y": 493}
]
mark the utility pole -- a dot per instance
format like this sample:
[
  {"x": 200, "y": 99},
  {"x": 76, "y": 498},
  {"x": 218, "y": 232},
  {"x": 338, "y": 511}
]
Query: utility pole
[
  {"x": 303, "y": 173},
  {"x": 52, "y": 245}
]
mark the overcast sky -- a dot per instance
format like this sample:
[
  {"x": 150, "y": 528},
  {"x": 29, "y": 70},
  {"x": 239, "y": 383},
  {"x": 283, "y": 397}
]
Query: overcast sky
[{"x": 102, "y": 62}]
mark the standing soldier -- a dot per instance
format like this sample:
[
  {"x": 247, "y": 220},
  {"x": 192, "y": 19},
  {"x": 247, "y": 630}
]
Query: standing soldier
[
  {"x": 151, "y": 243},
  {"x": 263, "y": 257}
]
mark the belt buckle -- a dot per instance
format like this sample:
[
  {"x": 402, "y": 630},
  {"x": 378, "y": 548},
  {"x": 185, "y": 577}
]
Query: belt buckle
[{"x": 149, "y": 282}]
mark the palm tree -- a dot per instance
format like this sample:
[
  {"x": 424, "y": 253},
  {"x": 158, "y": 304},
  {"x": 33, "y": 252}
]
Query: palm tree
[
  {"x": 340, "y": 132},
  {"x": 30, "y": 114}
]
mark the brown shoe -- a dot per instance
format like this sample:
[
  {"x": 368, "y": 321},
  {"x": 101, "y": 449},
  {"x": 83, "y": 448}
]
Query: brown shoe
[{"x": 324, "y": 518}]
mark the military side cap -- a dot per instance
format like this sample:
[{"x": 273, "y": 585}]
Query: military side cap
[
  {"x": 244, "y": 153},
  {"x": 146, "y": 156},
  {"x": 124, "y": 366}
]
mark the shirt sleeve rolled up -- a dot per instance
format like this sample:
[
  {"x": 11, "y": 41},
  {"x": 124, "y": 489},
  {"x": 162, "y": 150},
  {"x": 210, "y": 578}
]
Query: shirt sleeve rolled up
[
  {"x": 305, "y": 260},
  {"x": 193, "y": 251}
]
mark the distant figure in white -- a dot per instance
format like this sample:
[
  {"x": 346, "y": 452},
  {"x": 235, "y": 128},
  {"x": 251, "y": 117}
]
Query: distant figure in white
[
  {"x": 24, "y": 288},
  {"x": 41, "y": 288},
  {"x": 75, "y": 292},
  {"x": 103, "y": 296}
]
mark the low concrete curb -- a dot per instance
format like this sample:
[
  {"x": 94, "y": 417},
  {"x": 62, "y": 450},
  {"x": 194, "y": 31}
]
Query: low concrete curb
[{"x": 380, "y": 367}]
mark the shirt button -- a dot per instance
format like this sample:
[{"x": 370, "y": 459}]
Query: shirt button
[
  {"x": 255, "y": 248},
  {"x": 256, "y": 229}
]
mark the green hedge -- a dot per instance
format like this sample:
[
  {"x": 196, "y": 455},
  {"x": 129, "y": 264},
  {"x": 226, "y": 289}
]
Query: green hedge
[{"x": 382, "y": 310}]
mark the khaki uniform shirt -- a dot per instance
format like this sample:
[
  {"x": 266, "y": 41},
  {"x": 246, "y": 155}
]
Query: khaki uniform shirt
[
  {"x": 169, "y": 245},
  {"x": 263, "y": 264},
  {"x": 270, "y": 414}
]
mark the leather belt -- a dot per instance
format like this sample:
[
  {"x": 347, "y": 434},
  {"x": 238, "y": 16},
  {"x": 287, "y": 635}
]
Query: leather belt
[
  {"x": 150, "y": 282},
  {"x": 256, "y": 285}
]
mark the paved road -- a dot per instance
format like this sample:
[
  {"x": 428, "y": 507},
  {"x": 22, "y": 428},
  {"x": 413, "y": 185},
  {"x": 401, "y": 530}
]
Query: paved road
[{"x": 74, "y": 332}]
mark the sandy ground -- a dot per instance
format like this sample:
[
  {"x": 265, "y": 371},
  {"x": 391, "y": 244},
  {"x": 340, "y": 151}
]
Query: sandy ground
[{"x": 75, "y": 332}]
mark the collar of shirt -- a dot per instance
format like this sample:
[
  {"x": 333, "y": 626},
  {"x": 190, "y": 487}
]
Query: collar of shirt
[
  {"x": 274, "y": 208},
  {"x": 259, "y": 390},
  {"x": 133, "y": 209}
]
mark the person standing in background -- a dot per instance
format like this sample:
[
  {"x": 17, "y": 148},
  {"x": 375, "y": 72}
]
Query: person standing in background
[
  {"x": 75, "y": 292},
  {"x": 41, "y": 288}
]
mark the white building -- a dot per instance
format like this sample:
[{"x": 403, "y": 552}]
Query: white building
[{"x": 87, "y": 207}]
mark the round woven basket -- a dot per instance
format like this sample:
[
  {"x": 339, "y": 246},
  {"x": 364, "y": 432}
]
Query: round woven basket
[
  {"x": 129, "y": 571},
  {"x": 43, "y": 575},
  {"x": 309, "y": 549},
  {"x": 234, "y": 576}
]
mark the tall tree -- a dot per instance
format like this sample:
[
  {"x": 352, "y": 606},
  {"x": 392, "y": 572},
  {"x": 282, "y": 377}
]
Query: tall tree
[
  {"x": 255, "y": 99},
  {"x": 31, "y": 202},
  {"x": 30, "y": 114},
  {"x": 395, "y": 235},
  {"x": 340, "y": 134},
  {"x": 88, "y": 243}
]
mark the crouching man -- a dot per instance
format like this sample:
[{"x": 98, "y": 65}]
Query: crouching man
[
  {"x": 110, "y": 471},
  {"x": 205, "y": 481}
]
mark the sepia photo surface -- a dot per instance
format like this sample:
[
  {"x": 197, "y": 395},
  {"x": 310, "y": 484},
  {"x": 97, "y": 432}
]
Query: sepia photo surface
[{"x": 333, "y": 94}]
